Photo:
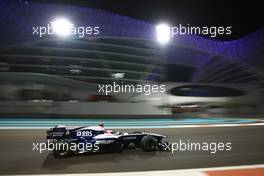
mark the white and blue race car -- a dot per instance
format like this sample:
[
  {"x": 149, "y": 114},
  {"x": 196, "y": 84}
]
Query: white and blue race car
[{"x": 67, "y": 141}]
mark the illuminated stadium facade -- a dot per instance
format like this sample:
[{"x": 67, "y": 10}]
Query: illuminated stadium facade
[{"x": 125, "y": 47}]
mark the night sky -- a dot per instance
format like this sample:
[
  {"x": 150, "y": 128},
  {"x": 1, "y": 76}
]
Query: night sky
[{"x": 243, "y": 15}]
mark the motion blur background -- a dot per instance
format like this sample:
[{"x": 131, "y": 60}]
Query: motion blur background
[{"x": 56, "y": 75}]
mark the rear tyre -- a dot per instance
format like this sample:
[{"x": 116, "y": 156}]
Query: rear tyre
[
  {"x": 149, "y": 143},
  {"x": 62, "y": 149}
]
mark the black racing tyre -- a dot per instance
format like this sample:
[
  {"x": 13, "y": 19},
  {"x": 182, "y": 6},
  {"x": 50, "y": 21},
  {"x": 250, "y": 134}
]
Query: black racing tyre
[
  {"x": 62, "y": 149},
  {"x": 149, "y": 143}
]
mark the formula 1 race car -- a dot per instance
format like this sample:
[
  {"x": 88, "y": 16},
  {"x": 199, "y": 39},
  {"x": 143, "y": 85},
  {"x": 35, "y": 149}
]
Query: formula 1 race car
[{"x": 67, "y": 141}]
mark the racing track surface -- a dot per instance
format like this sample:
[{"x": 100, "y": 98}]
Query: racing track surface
[{"x": 17, "y": 156}]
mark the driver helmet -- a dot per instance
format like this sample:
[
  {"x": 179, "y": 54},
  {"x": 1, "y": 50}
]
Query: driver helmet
[{"x": 101, "y": 125}]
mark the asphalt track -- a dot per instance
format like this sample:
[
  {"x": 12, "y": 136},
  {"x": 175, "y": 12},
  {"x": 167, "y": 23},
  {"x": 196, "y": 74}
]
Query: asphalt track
[{"x": 17, "y": 156}]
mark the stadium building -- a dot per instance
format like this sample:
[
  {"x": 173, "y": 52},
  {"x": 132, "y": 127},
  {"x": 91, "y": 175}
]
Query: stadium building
[{"x": 57, "y": 72}]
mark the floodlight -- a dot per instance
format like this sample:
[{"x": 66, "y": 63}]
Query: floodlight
[
  {"x": 62, "y": 27},
  {"x": 163, "y": 33}
]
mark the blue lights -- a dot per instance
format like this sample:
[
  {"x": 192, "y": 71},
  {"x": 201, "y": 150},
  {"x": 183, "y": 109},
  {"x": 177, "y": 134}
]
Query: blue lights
[{"x": 19, "y": 19}]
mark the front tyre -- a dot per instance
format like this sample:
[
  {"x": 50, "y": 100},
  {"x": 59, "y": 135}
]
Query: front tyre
[{"x": 149, "y": 143}]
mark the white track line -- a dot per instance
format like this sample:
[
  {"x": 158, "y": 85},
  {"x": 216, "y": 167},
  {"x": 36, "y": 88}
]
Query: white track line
[{"x": 181, "y": 172}]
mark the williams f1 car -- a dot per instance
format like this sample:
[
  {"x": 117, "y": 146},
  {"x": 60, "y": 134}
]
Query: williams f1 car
[{"x": 67, "y": 141}]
